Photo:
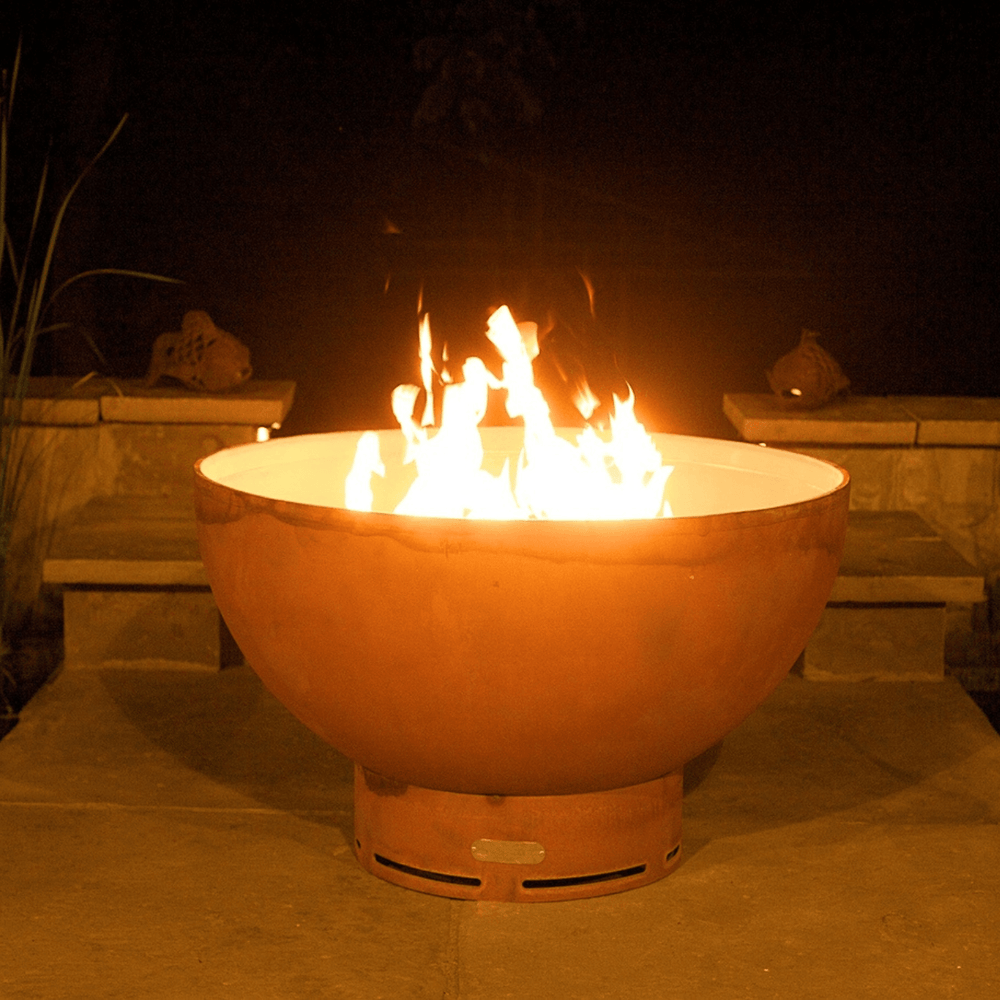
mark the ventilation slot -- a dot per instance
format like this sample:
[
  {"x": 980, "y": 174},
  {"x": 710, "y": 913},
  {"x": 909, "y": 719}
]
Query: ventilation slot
[
  {"x": 559, "y": 883},
  {"x": 420, "y": 873}
]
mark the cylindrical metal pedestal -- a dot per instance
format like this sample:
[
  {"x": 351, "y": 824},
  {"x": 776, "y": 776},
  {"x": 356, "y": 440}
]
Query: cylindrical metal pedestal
[{"x": 520, "y": 848}]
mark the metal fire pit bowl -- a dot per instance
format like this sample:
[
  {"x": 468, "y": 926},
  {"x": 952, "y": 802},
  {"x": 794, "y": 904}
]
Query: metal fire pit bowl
[{"x": 519, "y": 697}]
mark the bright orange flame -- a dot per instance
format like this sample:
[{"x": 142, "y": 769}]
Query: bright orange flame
[
  {"x": 584, "y": 400},
  {"x": 426, "y": 370},
  {"x": 595, "y": 477}
]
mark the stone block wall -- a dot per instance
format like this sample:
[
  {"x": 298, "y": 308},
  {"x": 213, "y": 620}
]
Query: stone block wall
[
  {"x": 107, "y": 438},
  {"x": 936, "y": 456},
  {"x": 939, "y": 457}
]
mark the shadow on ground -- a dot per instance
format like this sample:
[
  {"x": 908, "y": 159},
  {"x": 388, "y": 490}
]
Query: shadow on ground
[{"x": 228, "y": 728}]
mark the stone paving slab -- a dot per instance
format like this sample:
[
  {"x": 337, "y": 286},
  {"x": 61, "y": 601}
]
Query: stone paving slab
[
  {"x": 218, "y": 903},
  {"x": 171, "y": 835},
  {"x": 163, "y": 739},
  {"x": 805, "y": 914}
]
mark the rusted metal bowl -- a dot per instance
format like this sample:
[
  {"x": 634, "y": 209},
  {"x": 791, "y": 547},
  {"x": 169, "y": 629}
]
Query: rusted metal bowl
[{"x": 520, "y": 658}]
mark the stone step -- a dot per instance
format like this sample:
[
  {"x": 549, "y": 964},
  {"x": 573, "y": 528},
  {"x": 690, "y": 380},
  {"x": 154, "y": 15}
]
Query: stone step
[
  {"x": 896, "y": 556},
  {"x": 127, "y": 541},
  {"x": 887, "y": 615},
  {"x": 134, "y": 587}
]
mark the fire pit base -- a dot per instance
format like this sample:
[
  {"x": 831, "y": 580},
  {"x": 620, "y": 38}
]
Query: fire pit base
[{"x": 518, "y": 848}]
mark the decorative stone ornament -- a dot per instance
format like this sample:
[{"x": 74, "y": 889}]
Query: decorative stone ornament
[
  {"x": 200, "y": 355},
  {"x": 808, "y": 377}
]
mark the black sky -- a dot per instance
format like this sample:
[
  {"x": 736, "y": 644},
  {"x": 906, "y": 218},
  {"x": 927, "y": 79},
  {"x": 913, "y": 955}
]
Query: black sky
[{"x": 862, "y": 142}]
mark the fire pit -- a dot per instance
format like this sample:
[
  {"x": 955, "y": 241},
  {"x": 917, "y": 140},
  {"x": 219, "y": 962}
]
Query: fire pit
[{"x": 520, "y": 696}]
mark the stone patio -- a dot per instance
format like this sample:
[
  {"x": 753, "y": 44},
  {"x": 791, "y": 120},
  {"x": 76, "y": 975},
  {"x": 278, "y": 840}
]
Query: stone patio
[{"x": 174, "y": 834}]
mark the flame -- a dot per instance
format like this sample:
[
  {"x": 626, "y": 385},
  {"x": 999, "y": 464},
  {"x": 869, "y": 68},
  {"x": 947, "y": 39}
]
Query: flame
[
  {"x": 367, "y": 462},
  {"x": 597, "y": 477},
  {"x": 426, "y": 370},
  {"x": 584, "y": 399},
  {"x": 589, "y": 285}
]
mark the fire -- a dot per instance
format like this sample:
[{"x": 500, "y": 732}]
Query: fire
[{"x": 594, "y": 477}]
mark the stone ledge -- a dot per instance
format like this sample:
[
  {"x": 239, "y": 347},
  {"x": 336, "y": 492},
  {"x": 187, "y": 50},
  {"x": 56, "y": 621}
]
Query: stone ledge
[
  {"x": 165, "y": 572},
  {"x": 952, "y": 420},
  {"x": 69, "y": 402},
  {"x": 869, "y": 420},
  {"x": 261, "y": 404},
  {"x": 134, "y": 588},
  {"x": 60, "y": 402}
]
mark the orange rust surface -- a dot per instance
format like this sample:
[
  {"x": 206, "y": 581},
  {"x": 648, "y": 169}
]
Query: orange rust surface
[
  {"x": 533, "y": 658},
  {"x": 565, "y": 846}
]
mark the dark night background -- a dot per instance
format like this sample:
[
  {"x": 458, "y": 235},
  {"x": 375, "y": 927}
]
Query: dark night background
[{"x": 724, "y": 176}]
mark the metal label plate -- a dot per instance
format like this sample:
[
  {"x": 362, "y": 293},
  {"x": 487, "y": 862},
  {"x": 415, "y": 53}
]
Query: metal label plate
[{"x": 508, "y": 852}]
